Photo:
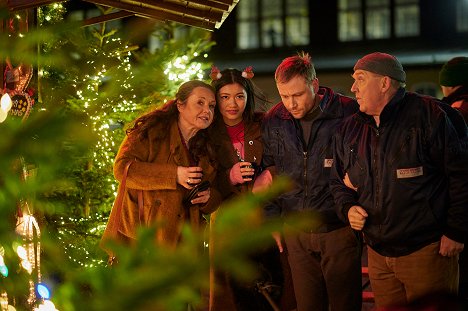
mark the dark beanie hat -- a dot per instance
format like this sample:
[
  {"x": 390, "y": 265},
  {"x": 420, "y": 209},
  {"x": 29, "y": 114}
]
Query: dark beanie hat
[
  {"x": 382, "y": 64},
  {"x": 454, "y": 72}
]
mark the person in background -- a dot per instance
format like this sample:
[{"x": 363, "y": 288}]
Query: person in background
[
  {"x": 325, "y": 259},
  {"x": 170, "y": 154},
  {"x": 453, "y": 79},
  {"x": 407, "y": 170},
  {"x": 236, "y": 135}
]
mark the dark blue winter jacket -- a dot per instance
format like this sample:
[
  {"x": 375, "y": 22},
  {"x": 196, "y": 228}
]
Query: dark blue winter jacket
[{"x": 307, "y": 165}]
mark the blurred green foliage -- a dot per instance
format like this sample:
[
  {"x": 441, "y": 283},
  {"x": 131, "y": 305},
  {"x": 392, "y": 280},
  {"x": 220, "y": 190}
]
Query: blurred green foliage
[{"x": 71, "y": 193}]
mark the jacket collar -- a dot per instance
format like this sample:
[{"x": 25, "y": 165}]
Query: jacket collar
[
  {"x": 389, "y": 111},
  {"x": 329, "y": 110},
  {"x": 218, "y": 130},
  {"x": 176, "y": 147},
  {"x": 460, "y": 94}
]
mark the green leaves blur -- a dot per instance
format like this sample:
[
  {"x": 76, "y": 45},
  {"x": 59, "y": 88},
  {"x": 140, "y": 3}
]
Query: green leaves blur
[{"x": 70, "y": 190}]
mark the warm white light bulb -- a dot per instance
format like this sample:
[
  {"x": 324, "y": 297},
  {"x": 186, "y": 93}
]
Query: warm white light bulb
[
  {"x": 3, "y": 115},
  {"x": 6, "y": 102}
]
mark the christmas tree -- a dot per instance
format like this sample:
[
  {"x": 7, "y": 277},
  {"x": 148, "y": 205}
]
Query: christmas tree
[
  {"x": 115, "y": 82},
  {"x": 58, "y": 163}
]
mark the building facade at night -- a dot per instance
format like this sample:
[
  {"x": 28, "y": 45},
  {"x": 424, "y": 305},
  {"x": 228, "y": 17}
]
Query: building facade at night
[{"x": 421, "y": 34}]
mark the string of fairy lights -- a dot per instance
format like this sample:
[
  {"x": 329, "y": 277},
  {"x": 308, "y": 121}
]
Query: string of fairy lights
[
  {"x": 183, "y": 69},
  {"x": 65, "y": 234}
]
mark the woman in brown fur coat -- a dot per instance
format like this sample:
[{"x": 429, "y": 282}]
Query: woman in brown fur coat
[{"x": 169, "y": 154}]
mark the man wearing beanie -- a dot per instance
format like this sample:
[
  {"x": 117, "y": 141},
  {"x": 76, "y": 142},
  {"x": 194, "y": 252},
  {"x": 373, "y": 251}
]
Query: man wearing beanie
[
  {"x": 453, "y": 79},
  {"x": 400, "y": 176}
]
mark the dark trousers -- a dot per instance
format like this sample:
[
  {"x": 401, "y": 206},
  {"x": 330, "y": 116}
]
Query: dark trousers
[{"x": 326, "y": 269}]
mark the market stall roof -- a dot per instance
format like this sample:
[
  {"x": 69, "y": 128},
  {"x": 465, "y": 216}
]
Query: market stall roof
[{"x": 206, "y": 14}]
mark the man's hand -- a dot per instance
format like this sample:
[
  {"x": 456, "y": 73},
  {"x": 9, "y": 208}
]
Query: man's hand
[
  {"x": 450, "y": 248},
  {"x": 357, "y": 217},
  {"x": 263, "y": 181},
  {"x": 348, "y": 182}
]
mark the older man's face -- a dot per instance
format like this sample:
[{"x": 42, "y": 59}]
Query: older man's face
[{"x": 367, "y": 88}]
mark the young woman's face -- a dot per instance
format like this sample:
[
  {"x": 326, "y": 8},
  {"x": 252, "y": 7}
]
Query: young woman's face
[
  {"x": 198, "y": 111},
  {"x": 232, "y": 99}
]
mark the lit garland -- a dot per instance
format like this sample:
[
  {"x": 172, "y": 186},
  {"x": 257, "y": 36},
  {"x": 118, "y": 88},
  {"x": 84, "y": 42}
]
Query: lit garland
[
  {"x": 104, "y": 152},
  {"x": 183, "y": 69},
  {"x": 66, "y": 234},
  {"x": 180, "y": 70},
  {"x": 100, "y": 112}
]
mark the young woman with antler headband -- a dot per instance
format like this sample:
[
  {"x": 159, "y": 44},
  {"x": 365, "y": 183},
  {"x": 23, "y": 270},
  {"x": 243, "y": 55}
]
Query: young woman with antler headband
[{"x": 236, "y": 136}]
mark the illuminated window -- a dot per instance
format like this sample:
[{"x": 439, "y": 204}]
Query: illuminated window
[
  {"x": 270, "y": 23},
  {"x": 247, "y": 27},
  {"x": 381, "y": 19},
  {"x": 297, "y": 22},
  {"x": 462, "y": 15},
  {"x": 350, "y": 20},
  {"x": 407, "y": 18},
  {"x": 377, "y": 19}
]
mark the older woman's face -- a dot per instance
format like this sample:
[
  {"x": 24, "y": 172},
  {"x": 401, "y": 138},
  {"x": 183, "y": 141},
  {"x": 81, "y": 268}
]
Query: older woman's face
[{"x": 198, "y": 110}]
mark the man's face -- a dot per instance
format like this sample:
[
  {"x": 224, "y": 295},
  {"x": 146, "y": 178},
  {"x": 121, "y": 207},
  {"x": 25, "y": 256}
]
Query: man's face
[
  {"x": 298, "y": 96},
  {"x": 447, "y": 90},
  {"x": 367, "y": 88}
]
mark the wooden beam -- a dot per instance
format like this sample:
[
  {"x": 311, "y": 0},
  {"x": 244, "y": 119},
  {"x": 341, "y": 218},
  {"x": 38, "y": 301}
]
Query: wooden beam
[
  {"x": 213, "y": 4},
  {"x": 212, "y": 15},
  {"x": 107, "y": 17},
  {"x": 157, "y": 14},
  {"x": 228, "y": 2},
  {"x": 15, "y": 5}
]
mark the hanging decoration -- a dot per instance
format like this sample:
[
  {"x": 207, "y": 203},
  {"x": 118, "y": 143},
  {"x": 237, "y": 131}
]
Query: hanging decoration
[
  {"x": 17, "y": 78},
  {"x": 16, "y": 86}
]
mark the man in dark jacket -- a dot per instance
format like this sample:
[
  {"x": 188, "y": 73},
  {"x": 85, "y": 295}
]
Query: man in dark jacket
[
  {"x": 453, "y": 79},
  {"x": 297, "y": 133},
  {"x": 405, "y": 172}
]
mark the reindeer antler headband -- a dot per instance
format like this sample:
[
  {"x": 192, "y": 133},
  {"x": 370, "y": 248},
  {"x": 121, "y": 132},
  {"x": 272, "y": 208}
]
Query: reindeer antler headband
[{"x": 215, "y": 74}]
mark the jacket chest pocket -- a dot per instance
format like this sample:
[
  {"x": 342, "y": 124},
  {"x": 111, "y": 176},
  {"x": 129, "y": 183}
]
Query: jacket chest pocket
[
  {"x": 354, "y": 166},
  {"x": 408, "y": 152},
  {"x": 277, "y": 142}
]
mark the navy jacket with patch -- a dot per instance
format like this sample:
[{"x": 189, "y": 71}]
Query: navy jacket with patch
[{"x": 411, "y": 174}]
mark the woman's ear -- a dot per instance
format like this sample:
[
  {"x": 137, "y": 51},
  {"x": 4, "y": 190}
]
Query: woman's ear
[{"x": 179, "y": 105}]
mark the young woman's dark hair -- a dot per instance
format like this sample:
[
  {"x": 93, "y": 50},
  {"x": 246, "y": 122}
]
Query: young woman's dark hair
[
  {"x": 256, "y": 100},
  {"x": 163, "y": 116}
]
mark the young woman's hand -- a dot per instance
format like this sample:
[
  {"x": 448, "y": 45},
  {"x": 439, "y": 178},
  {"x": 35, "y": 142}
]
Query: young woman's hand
[{"x": 241, "y": 172}]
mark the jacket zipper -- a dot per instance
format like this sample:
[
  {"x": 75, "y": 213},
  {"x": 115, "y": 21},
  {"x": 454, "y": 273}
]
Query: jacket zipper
[
  {"x": 305, "y": 179},
  {"x": 278, "y": 142},
  {"x": 376, "y": 176}
]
